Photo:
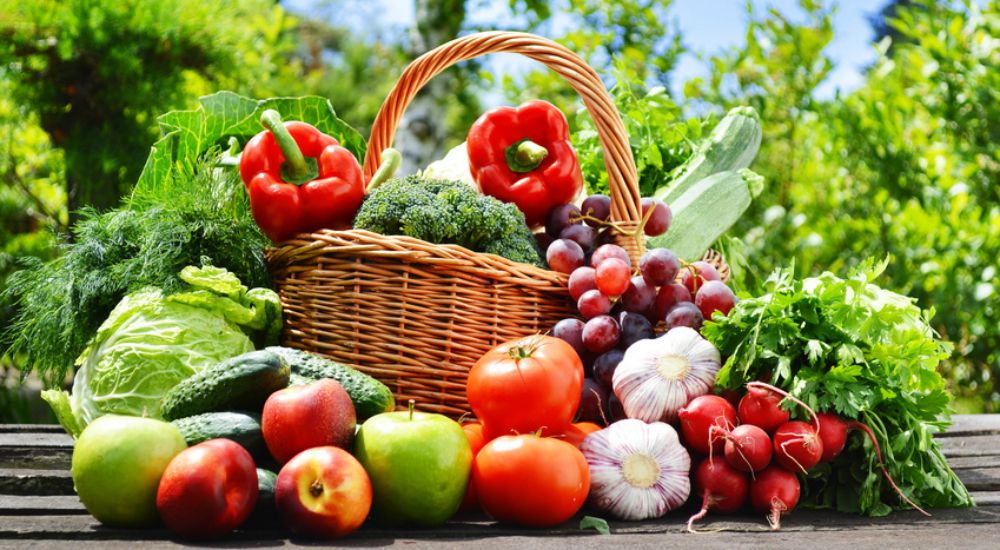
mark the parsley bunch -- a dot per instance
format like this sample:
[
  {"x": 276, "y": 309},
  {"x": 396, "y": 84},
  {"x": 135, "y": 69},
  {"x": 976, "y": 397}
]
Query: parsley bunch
[{"x": 850, "y": 347}]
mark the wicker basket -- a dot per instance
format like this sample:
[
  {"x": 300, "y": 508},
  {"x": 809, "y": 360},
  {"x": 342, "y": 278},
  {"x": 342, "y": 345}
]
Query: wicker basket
[{"x": 417, "y": 315}]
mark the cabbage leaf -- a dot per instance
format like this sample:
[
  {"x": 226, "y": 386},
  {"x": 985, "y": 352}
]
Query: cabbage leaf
[{"x": 151, "y": 341}]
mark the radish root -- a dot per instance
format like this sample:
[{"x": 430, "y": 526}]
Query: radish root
[
  {"x": 774, "y": 518},
  {"x": 701, "y": 514},
  {"x": 779, "y": 391}
]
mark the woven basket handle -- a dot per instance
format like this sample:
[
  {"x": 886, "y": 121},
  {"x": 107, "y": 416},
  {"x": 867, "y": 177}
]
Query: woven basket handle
[{"x": 622, "y": 176}]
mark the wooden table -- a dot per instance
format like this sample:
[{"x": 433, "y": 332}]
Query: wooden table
[{"x": 38, "y": 508}]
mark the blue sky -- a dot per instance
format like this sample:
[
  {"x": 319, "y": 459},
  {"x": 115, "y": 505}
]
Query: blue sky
[{"x": 707, "y": 26}]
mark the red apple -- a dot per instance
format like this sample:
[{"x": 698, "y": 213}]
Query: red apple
[
  {"x": 303, "y": 417},
  {"x": 208, "y": 490},
  {"x": 323, "y": 492}
]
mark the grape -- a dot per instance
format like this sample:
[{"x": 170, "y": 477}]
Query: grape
[
  {"x": 592, "y": 402},
  {"x": 582, "y": 235},
  {"x": 610, "y": 251},
  {"x": 580, "y": 281},
  {"x": 564, "y": 256},
  {"x": 571, "y": 332},
  {"x": 634, "y": 327},
  {"x": 669, "y": 296},
  {"x": 616, "y": 411},
  {"x": 659, "y": 266},
  {"x": 659, "y": 222},
  {"x": 714, "y": 296},
  {"x": 596, "y": 206},
  {"x": 593, "y": 303},
  {"x": 684, "y": 314},
  {"x": 639, "y": 296},
  {"x": 600, "y": 334},
  {"x": 544, "y": 240},
  {"x": 612, "y": 277},
  {"x": 605, "y": 236},
  {"x": 705, "y": 272},
  {"x": 560, "y": 217},
  {"x": 605, "y": 365}
]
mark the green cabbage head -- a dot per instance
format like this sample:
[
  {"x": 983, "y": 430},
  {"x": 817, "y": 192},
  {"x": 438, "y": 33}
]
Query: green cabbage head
[{"x": 150, "y": 342}]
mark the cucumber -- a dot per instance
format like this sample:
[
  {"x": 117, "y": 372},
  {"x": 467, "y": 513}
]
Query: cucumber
[
  {"x": 241, "y": 427},
  {"x": 241, "y": 383},
  {"x": 706, "y": 211},
  {"x": 732, "y": 146},
  {"x": 266, "y": 483},
  {"x": 370, "y": 396}
]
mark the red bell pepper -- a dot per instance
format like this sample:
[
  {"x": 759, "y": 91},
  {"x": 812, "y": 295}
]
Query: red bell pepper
[
  {"x": 299, "y": 179},
  {"x": 523, "y": 155}
]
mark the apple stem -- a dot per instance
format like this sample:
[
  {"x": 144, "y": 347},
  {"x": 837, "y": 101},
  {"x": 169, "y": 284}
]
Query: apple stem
[
  {"x": 412, "y": 405},
  {"x": 316, "y": 489}
]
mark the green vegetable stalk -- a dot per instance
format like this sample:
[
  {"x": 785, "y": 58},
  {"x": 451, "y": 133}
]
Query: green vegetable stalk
[{"x": 850, "y": 347}]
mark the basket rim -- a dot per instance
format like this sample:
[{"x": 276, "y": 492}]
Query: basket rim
[{"x": 359, "y": 242}]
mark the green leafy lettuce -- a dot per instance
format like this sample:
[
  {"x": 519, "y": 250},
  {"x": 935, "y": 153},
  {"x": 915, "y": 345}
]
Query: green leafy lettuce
[
  {"x": 152, "y": 341},
  {"x": 848, "y": 346}
]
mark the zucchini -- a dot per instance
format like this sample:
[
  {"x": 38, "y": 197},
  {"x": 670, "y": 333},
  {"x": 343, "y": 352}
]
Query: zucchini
[
  {"x": 241, "y": 427},
  {"x": 370, "y": 396},
  {"x": 706, "y": 211},
  {"x": 732, "y": 146},
  {"x": 242, "y": 383}
]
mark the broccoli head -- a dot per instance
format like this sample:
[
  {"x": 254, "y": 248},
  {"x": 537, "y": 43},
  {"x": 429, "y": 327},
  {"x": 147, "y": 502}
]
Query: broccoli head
[{"x": 448, "y": 212}]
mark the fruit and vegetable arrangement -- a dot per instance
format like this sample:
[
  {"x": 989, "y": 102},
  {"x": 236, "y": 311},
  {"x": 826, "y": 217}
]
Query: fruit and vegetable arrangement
[{"x": 660, "y": 390}]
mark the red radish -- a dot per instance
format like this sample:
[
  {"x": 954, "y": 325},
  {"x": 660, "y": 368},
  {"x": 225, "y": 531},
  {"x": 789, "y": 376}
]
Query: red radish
[
  {"x": 704, "y": 422},
  {"x": 723, "y": 489},
  {"x": 833, "y": 434},
  {"x": 762, "y": 408},
  {"x": 797, "y": 446},
  {"x": 775, "y": 492},
  {"x": 748, "y": 448}
]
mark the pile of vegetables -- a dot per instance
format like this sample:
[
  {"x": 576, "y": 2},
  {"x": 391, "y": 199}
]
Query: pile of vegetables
[{"x": 848, "y": 347}]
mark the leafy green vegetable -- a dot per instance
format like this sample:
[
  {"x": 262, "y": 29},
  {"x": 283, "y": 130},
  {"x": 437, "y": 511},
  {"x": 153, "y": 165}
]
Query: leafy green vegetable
[
  {"x": 597, "y": 524},
  {"x": 150, "y": 342},
  {"x": 848, "y": 346},
  {"x": 204, "y": 218},
  {"x": 660, "y": 139},
  {"x": 441, "y": 211},
  {"x": 188, "y": 208},
  {"x": 223, "y": 116}
]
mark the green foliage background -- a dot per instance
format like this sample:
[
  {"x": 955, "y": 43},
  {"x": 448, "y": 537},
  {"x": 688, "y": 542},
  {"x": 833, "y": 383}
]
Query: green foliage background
[{"x": 905, "y": 165}]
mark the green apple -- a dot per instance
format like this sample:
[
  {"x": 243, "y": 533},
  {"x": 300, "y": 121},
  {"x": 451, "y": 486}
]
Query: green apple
[
  {"x": 419, "y": 466},
  {"x": 117, "y": 465}
]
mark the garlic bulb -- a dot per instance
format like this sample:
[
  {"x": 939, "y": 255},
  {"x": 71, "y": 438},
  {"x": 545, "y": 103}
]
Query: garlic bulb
[
  {"x": 637, "y": 470},
  {"x": 659, "y": 376}
]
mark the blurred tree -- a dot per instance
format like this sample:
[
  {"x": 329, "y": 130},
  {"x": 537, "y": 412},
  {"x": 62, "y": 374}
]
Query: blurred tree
[
  {"x": 905, "y": 165},
  {"x": 97, "y": 72}
]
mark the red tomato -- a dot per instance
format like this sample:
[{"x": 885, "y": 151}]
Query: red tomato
[
  {"x": 474, "y": 432},
  {"x": 208, "y": 490},
  {"x": 525, "y": 386},
  {"x": 576, "y": 433},
  {"x": 531, "y": 480}
]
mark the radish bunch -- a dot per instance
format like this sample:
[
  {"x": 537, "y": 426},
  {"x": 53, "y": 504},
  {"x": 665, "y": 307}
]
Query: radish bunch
[{"x": 754, "y": 451}]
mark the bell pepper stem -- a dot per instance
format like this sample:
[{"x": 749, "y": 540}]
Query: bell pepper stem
[
  {"x": 525, "y": 155},
  {"x": 295, "y": 162},
  {"x": 391, "y": 160}
]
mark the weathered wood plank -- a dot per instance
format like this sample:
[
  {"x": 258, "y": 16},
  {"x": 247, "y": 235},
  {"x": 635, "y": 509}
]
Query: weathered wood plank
[
  {"x": 973, "y": 445},
  {"x": 36, "y": 482},
  {"x": 802, "y": 521},
  {"x": 31, "y": 428},
  {"x": 973, "y": 424},
  {"x": 39, "y": 439},
  {"x": 20, "y": 505},
  {"x": 982, "y": 479}
]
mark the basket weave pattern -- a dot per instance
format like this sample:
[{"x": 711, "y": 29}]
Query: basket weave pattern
[{"x": 417, "y": 315}]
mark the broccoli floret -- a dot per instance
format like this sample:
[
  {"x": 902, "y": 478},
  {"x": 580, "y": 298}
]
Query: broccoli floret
[{"x": 441, "y": 211}]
